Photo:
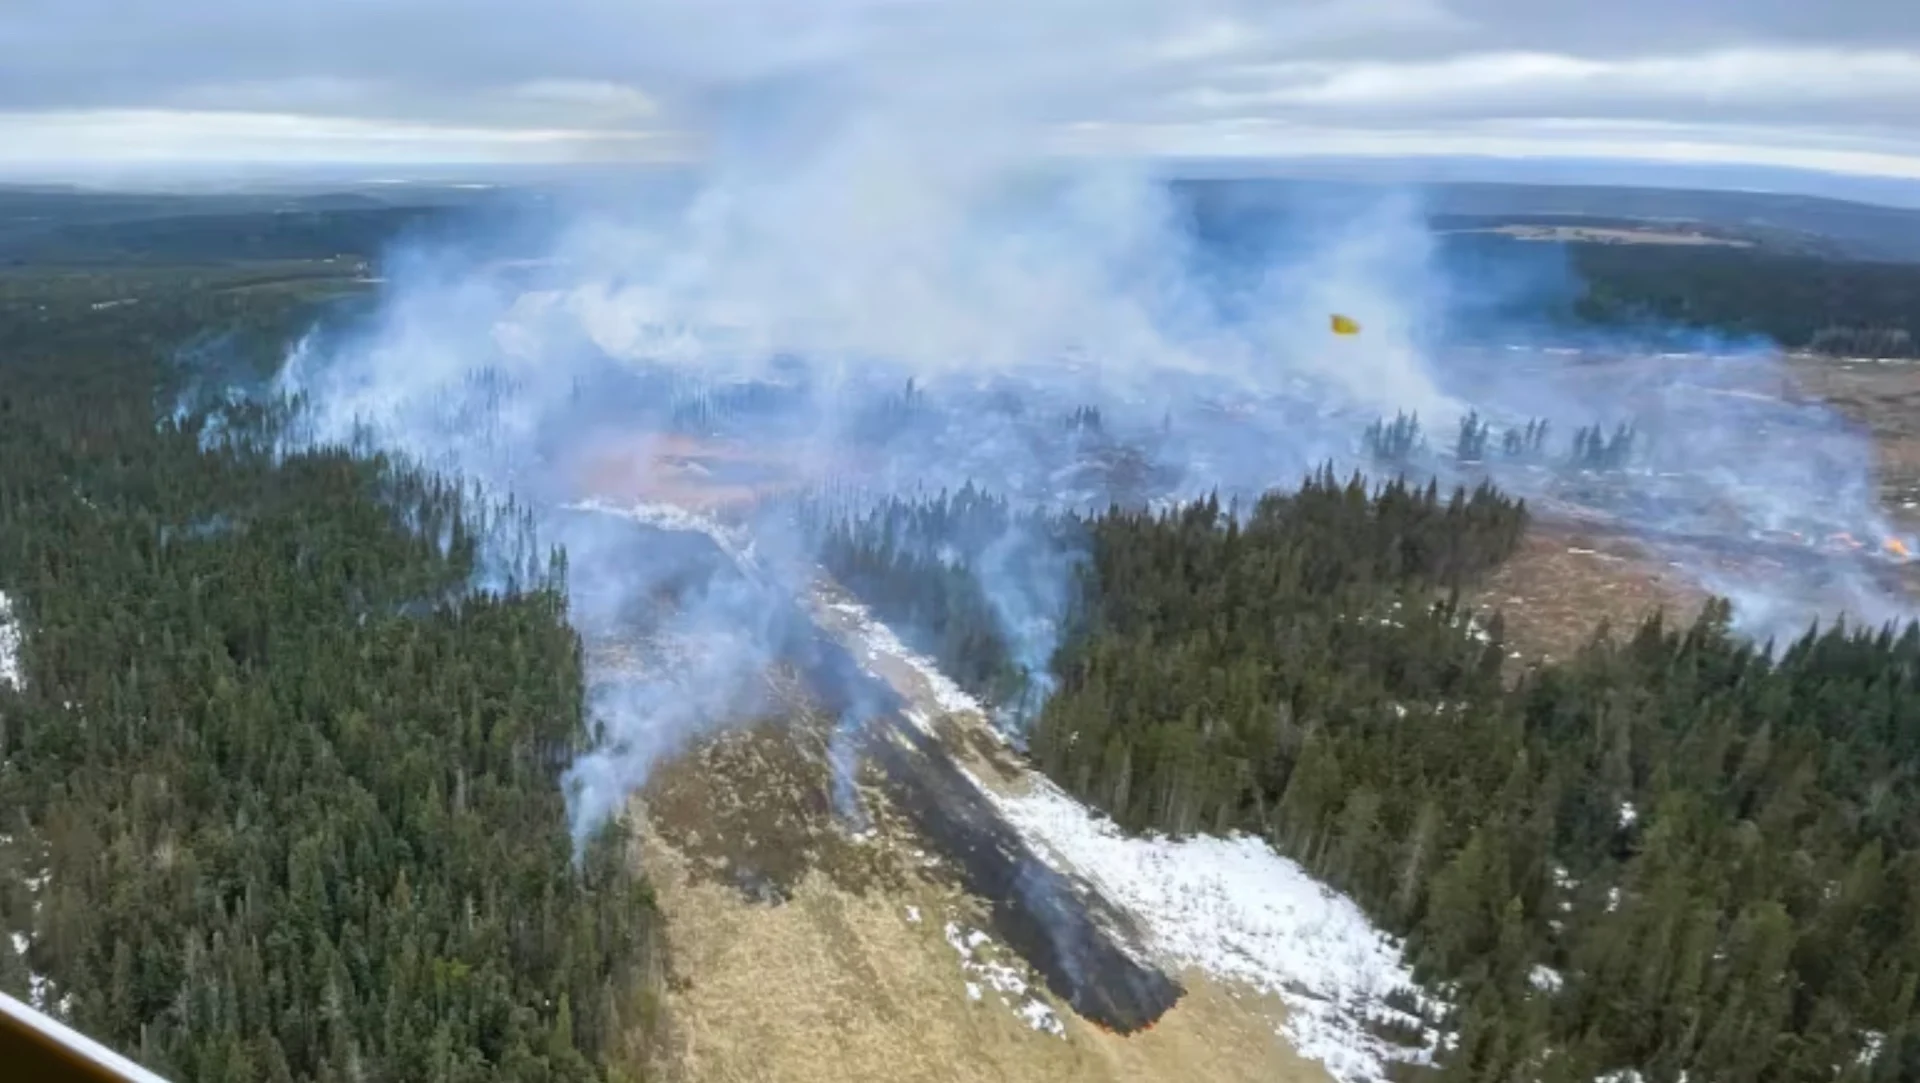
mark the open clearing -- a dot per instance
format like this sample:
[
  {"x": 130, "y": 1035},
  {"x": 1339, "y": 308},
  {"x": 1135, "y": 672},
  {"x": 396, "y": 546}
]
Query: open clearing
[
  {"x": 1563, "y": 582},
  {"x": 1883, "y": 396},
  {"x": 802, "y": 953},
  {"x": 1570, "y": 576}
]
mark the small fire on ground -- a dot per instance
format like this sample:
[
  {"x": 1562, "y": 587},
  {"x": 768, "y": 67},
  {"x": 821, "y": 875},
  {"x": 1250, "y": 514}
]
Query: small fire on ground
[{"x": 1893, "y": 548}]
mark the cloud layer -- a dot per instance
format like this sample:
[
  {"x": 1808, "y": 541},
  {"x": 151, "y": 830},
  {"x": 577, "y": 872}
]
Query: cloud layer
[{"x": 1778, "y": 82}]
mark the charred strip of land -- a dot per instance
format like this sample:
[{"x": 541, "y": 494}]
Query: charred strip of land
[{"x": 1070, "y": 936}]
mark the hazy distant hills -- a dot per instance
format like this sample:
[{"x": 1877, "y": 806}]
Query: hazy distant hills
[
  {"x": 50, "y": 226},
  {"x": 1794, "y": 224},
  {"x": 69, "y": 225},
  {"x": 1803, "y": 225},
  {"x": 1813, "y": 224}
]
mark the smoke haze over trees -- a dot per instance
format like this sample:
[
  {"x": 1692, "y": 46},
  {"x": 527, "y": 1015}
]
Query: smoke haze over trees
[{"x": 281, "y": 795}]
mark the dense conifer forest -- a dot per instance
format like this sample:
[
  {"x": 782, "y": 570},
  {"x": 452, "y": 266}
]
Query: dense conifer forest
[
  {"x": 1670, "y": 853},
  {"x": 280, "y": 779},
  {"x": 931, "y": 568},
  {"x": 279, "y": 790},
  {"x": 1803, "y": 302}
]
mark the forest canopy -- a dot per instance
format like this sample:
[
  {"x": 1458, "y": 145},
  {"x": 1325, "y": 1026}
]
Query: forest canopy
[
  {"x": 1670, "y": 853},
  {"x": 280, "y": 789}
]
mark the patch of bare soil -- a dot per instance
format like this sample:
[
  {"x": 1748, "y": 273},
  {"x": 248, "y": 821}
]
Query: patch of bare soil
[
  {"x": 1554, "y": 593},
  {"x": 1884, "y": 398}
]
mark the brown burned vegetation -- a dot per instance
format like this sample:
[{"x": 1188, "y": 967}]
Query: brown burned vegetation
[
  {"x": 1563, "y": 583},
  {"x": 752, "y": 808}
]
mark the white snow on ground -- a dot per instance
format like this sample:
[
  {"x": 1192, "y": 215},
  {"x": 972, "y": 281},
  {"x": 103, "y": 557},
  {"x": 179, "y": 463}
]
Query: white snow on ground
[
  {"x": 1871, "y": 1043},
  {"x": 878, "y": 639},
  {"x": 1229, "y": 906},
  {"x": 676, "y": 518},
  {"x": 1596, "y": 554},
  {"x": 40, "y": 988},
  {"x": 9, "y": 644},
  {"x": 1239, "y": 911},
  {"x": 1546, "y": 979},
  {"x": 984, "y": 973}
]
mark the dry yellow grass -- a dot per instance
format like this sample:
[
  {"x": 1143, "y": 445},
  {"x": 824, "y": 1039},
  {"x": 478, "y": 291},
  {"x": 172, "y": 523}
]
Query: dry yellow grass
[
  {"x": 1562, "y": 583},
  {"x": 841, "y": 986},
  {"x": 851, "y": 978}
]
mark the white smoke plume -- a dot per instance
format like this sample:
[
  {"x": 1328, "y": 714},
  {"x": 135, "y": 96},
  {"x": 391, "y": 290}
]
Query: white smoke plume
[{"x": 880, "y": 202}]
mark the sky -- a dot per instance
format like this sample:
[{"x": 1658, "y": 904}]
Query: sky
[{"x": 1830, "y": 85}]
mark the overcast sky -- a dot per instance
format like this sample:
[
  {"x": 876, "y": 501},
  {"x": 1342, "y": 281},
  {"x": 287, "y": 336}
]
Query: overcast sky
[{"x": 1821, "y": 84}]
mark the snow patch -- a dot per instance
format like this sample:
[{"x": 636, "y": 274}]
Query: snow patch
[
  {"x": 1546, "y": 979},
  {"x": 1871, "y": 1043},
  {"x": 984, "y": 972},
  {"x": 672, "y": 517},
  {"x": 9, "y": 644},
  {"x": 879, "y": 640},
  {"x": 1566, "y": 885},
  {"x": 39, "y": 990},
  {"x": 1236, "y": 909}
]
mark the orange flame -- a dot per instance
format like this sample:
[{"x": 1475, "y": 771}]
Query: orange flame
[{"x": 1899, "y": 548}]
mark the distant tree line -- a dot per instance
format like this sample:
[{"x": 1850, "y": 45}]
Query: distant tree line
[
  {"x": 1802, "y": 302},
  {"x": 1400, "y": 444},
  {"x": 927, "y": 568}
]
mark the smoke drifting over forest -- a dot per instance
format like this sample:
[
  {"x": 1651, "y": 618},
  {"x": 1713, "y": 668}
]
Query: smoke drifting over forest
[{"x": 885, "y": 283}]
